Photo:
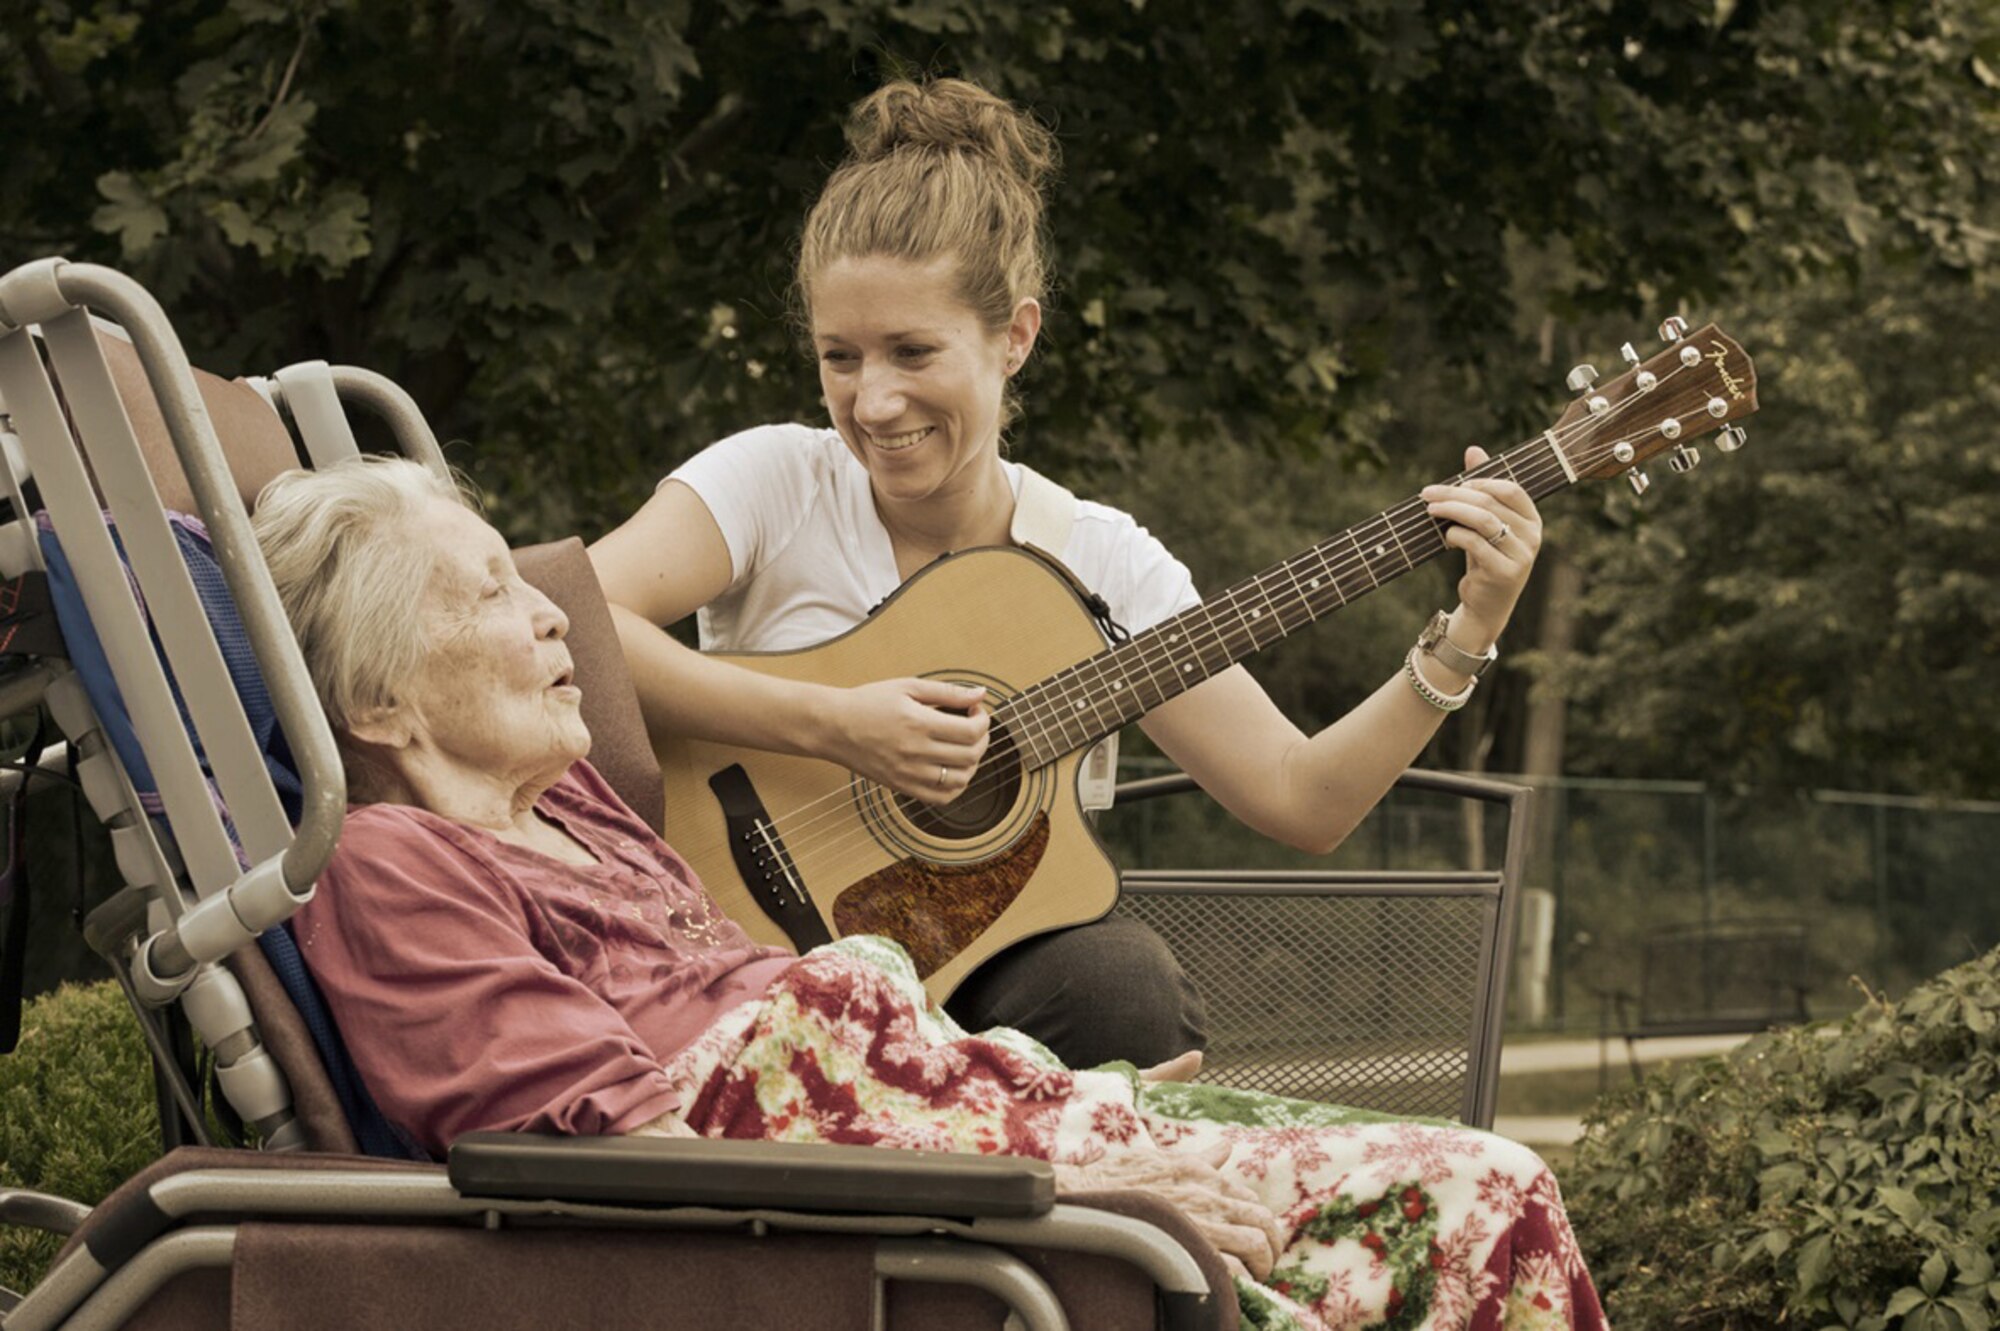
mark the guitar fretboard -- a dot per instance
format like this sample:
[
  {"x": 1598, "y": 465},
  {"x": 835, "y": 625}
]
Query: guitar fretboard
[{"x": 1079, "y": 706}]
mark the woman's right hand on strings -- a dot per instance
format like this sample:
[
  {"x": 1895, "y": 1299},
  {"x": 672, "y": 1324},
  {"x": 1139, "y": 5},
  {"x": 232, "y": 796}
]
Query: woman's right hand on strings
[
  {"x": 1226, "y": 1211},
  {"x": 920, "y": 737}
]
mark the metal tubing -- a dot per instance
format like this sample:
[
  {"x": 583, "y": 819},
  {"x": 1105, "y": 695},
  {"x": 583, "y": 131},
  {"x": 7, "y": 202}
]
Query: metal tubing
[
  {"x": 315, "y": 407},
  {"x": 403, "y": 1194},
  {"x": 270, "y": 633},
  {"x": 1312, "y": 882},
  {"x": 1520, "y": 807},
  {"x": 139, "y": 1279},
  {"x": 1001, "y": 1274},
  {"x": 67, "y": 1284},
  {"x": 40, "y": 1210},
  {"x": 386, "y": 398},
  {"x": 67, "y": 491},
  {"x": 178, "y": 625}
]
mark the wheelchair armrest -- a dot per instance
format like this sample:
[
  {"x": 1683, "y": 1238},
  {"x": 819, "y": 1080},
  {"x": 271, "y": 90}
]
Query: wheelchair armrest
[
  {"x": 673, "y": 1171},
  {"x": 41, "y": 1210}
]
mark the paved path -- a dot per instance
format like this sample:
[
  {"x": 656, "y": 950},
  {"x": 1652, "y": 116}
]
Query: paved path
[
  {"x": 1574, "y": 1055},
  {"x": 1570, "y": 1055},
  {"x": 1539, "y": 1129}
]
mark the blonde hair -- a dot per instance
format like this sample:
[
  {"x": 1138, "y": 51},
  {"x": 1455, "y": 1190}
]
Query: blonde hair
[
  {"x": 338, "y": 544},
  {"x": 942, "y": 168}
]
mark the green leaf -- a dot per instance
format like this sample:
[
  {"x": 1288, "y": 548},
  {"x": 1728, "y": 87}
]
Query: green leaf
[
  {"x": 1815, "y": 1256},
  {"x": 1903, "y": 1204},
  {"x": 1931, "y": 1277},
  {"x": 129, "y": 213},
  {"x": 1903, "y": 1300},
  {"x": 1971, "y": 1311},
  {"x": 1974, "y": 1263},
  {"x": 1773, "y": 1141}
]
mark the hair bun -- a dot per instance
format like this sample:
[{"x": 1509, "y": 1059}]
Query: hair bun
[{"x": 950, "y": 116}]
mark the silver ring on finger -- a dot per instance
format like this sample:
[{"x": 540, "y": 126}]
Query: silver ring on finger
[
  {"x": 944, "y": 774},
  {"x": 1499, "y": 536}
]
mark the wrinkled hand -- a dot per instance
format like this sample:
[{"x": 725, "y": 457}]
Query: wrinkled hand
[
  {"x": 920, "y": 737},
  {"x": 1227, "y": 1212},
  {"x": 1184, "y": 1068},
  {"x": 1495, "y": 572}
]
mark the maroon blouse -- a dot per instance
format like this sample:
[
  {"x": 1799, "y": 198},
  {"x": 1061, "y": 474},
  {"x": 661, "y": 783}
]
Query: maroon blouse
[{"x": 482, "y": 985}]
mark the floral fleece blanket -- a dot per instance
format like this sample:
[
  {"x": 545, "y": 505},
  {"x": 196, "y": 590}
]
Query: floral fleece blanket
[{"x": 1390, "y": 1223}]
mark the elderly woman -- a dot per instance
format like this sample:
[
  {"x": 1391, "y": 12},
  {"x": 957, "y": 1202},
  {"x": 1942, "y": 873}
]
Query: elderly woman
[{"x": 507, "y": 946}]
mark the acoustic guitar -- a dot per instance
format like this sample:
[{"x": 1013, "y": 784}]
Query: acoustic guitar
[{"x": 799, "y": 851}]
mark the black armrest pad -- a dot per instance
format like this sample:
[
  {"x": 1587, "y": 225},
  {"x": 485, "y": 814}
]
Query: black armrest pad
[{"x": 678, "y": 1171}]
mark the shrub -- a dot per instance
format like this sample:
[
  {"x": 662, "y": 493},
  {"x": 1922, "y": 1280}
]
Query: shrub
[
  {"x": 1834, "y": 1176},
  {"x": 76, "y": 1111}
]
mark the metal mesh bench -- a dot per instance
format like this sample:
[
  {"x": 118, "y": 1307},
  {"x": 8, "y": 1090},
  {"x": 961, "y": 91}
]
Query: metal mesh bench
[
  {"x": 1726, "y": 978},
  {"x": 1379, "y": 989}
]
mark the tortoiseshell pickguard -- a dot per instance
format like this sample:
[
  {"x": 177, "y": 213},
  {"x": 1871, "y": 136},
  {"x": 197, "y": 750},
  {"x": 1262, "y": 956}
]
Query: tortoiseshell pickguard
[{"x": 936, "y": 910}]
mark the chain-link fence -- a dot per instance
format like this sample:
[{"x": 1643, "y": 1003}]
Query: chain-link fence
[{"x": 1889, "y": 889}]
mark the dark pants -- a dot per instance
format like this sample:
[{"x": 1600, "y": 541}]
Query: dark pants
[{"x": 1093, "y": 993}]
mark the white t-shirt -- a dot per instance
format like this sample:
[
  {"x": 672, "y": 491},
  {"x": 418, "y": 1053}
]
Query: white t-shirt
[{"x": 809, "y": 557}]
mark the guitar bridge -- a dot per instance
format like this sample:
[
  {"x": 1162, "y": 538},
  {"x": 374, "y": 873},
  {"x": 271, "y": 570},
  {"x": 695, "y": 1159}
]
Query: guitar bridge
[{"x": 762, "y": 861}]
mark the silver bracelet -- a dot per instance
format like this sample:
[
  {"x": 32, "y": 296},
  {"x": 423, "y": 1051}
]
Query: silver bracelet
[{"x": 1444, "y": 702}]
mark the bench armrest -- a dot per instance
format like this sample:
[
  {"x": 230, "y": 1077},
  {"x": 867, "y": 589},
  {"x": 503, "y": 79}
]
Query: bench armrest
[{"x": 674, "y": 1171}]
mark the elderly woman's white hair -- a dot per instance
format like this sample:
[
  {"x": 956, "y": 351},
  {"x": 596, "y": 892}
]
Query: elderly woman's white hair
[{"x": 337, "y": 541}]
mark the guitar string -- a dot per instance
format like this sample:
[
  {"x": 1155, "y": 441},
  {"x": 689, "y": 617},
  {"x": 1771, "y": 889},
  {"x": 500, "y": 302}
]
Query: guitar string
[
  {"x": 1045, "y": 717},
  {"x": 1041, "y": 718},
  {"x": 794, "y": 835},
  {"x": 1215, "y": 636}
]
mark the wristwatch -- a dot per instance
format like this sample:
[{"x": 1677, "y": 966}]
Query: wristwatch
[{"x": 1449, "y": 654}]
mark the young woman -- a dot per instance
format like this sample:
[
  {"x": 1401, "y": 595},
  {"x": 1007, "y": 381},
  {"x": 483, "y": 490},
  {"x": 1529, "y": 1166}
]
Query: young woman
[{"x": 921, "y": 275}]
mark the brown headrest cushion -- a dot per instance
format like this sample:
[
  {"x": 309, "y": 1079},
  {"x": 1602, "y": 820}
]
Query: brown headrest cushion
[
  {"x": 253, "y": 438},
  {"x": 619, "y": 748}
]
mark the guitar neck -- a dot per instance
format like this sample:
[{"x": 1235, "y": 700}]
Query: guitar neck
[{"x": 1077, "y": 707}]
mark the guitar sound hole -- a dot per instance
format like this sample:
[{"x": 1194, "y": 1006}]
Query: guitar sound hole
[{"x": 984, "y": 805}]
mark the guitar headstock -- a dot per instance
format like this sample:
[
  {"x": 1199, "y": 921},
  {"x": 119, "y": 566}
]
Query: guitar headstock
[{"x": 1701, "y": 382}]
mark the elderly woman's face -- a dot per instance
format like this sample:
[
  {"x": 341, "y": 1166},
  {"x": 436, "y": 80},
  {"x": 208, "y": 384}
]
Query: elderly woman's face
[{"x": 494, "y": 693}]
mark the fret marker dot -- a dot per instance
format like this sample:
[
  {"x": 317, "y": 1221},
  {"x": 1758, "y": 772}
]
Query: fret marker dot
[
  {"x": 1188, "y": 668},
  {"x": 1081, "y": 704},
  {"x": 1256, "y": 614},
  {"x": 1173, "y": 637},
  {"x": 1313, "y": 585},
  {"x": 1381, "y": 550}
]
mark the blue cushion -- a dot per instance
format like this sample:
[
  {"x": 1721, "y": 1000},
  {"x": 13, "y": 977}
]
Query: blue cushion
[{"x": 375, "y": 1134}]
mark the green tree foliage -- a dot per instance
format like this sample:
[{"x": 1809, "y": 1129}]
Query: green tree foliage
[
  {"x": 564, "y": 224},
  {"x": 1838, "y": 1178},
  {"x": 1808, "y": 612}
]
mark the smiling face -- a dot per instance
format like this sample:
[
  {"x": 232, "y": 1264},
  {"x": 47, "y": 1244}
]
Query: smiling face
[
  {"x": 493, "y": 698},
  {"x": 913, "y": 380}
]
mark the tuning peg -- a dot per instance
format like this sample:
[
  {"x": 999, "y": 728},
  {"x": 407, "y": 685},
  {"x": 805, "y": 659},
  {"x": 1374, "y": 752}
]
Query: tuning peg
[
  {"x": 1684, "y": 459},
  {"x": 1731, "y": 438},
  {"x": 1640, "y": 481},
  {"x": 1673, "y": 328},
  {"x": 1631, "y": 356},
  {"x": 1581, "y": 378}
]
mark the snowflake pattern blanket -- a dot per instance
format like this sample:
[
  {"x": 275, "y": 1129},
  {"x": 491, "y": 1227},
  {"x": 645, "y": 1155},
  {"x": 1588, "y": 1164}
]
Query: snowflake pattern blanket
[{"x": 1391, "y": 1223}]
